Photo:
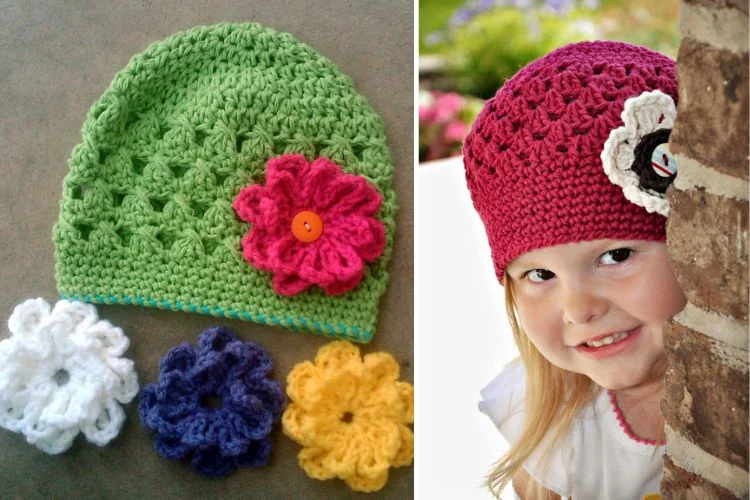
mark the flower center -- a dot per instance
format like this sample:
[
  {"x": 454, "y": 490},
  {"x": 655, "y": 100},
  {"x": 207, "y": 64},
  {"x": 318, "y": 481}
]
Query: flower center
[
  {"x": 61, "y": 377},
  {"x": 307, "y": 226},
  {"x": 347, "y": 417},
  {"x": 211, "y": 401}
]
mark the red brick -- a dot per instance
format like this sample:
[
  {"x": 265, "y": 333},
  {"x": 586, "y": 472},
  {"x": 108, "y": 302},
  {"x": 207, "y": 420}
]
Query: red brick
[
  {"x": 712, "y": 124},
  {"x": 705, "y": 400},
  {"x": 679, "y": 484},
  {"x": 740, "y": 5},
  {"x": 707, "y": 239}
]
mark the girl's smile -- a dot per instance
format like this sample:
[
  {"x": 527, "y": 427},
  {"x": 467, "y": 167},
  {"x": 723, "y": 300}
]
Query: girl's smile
[
  {"x": 598, "y": 307},
  {"x": 609, "y": 345}
]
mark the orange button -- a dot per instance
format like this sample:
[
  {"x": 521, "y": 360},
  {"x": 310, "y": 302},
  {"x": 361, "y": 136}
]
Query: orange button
[{"x": 307, "y": 226}]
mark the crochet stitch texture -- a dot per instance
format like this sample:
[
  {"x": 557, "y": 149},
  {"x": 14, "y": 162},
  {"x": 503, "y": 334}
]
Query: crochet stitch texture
[
  {"x": 350, "y": 235},
  {"x": 61, "y": 373},
  {"x": 350, "y": 415},
  {"x": 643, "y": 116},
  {"x": 532, "y": 158},
  {"x": 146, "y": 216},
  {"x": 214, "y": 404}
]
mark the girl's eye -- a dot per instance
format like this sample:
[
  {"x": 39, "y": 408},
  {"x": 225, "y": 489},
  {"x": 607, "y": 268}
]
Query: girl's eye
[
  {"x": 539, "y": 275},
  {"x": 615, "y": 256}
]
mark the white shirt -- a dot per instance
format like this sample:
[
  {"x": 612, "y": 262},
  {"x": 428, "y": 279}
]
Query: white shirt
[{"x": 598, "y": 458}]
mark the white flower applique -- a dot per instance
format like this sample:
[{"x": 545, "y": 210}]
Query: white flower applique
[
  {"x": 636, "y": 156},
  {"x": 61, "y": 373}
]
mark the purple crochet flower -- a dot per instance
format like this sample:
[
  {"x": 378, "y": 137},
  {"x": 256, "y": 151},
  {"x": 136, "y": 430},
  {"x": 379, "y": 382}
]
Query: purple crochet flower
[{"x": 214, "y": 404}]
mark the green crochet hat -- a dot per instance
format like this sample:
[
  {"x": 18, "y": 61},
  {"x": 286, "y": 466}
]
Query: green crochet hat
[{"x": 231, "y": 170}]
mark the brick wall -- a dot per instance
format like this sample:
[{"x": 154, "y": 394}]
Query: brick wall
[{"x": 706, "y": 402}]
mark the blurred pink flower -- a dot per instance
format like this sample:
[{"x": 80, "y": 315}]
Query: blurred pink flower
[
  {"x": 426, "y": 115},
  {"x": 455, "y": 131},
  {"x": 444, "y": 121},
  {"x": 447, "y": 105}
]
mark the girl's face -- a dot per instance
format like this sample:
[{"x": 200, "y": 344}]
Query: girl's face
[{"x": 598, "y": 307}]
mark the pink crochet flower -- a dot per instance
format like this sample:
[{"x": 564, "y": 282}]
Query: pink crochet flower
[{"x": 312, "y": 224}]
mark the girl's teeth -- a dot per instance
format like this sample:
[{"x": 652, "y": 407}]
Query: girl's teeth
[{"x": 610, "y": 339}]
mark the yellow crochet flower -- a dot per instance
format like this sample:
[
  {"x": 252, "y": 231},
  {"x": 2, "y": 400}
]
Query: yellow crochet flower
[{"x": 350, "y": 415}]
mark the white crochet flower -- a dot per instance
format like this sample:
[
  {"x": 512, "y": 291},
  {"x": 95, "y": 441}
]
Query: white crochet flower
[
  {"x": 60, "y": 374},
  {"x": 641, "y": 115}
]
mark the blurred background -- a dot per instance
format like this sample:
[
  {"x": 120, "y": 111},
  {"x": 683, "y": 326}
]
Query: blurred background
[{"x": 468, "y": 48}]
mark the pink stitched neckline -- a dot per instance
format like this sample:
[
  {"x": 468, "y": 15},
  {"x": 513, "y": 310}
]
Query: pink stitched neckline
[{"x": 626, "y": 427}]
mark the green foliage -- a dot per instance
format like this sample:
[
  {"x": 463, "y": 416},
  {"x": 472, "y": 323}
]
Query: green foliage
[
  {"x": 433, "y": 19},
  {"x": 649, "y": 23},
  {"x": 495, "y": 45}
]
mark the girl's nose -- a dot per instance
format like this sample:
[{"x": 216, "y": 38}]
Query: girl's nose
[{"x": 582, "y": 305}]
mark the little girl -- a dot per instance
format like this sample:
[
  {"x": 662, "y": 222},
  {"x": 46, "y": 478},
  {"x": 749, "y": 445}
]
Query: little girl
[{"x": 567, "y": 166}]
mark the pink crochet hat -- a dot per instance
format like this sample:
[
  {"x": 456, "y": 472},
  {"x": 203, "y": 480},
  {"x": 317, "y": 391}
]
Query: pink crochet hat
[{"x": 536, "y": 158}]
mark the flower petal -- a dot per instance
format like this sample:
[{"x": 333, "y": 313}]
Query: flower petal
[
  {"x": 338, "y": 393},
  {"x": 339, "y": 260},
  {"x": 215, "y": 339},
  {"x": 258, "y": 365},
  {"x": 336, "y": 269},
  {"x": 247, "y": 202},
  {"x": 180, "y": 358},
  {"x": 382, "y": 367},
  {"x": 27, "y": 316},
  {"x": 256, "y": 248},
  {"x": 67, "y": 408},
  {"x": 323, "y": 174},
  {"x": 235, "y": 434},
  {"x": 105, "y": 427},
  {"x": 211, "y": 462},
  {"x": 72, "y": 315},
  {"x": 337, "y": 354},
  {"x": 171, "y": 448},
  {"x": 347, "y": 195},
  {"x": 202, "y": 429},
  {"x": 119, "y": 379},
  {"x": 295, "y": 165},
  {"x": 263, "y": 208},
  {"x": 344, "y": 448},
  {"x": 341, "y": 287},
  {"x": 367, "y": 484},
  {"x": 284, "y": 177},
  {"x": 365, "y": 234},
  {"x": 255, "y": 425},
  {"x": 295, "y": 422},
  {"x": 49, "y": 438},
  {"x": 174, "y": 387},
  {"x": 406, "y": 393},
  {"x": 288, "y": 254},
  {"x": 257, "y": 453},
  {"x": 259, "y": 394},
  {"x": 289, "y": 284},
  {"x": 165, "y": 417},
  {"x": 405, "y": 454},
  {"x": 310, "y": 459},
  {"x": 390, "y": 406},
  {"x": 303, "y": 383}
]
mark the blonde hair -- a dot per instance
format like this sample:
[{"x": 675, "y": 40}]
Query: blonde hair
[{"x": 553, "y": 399}]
